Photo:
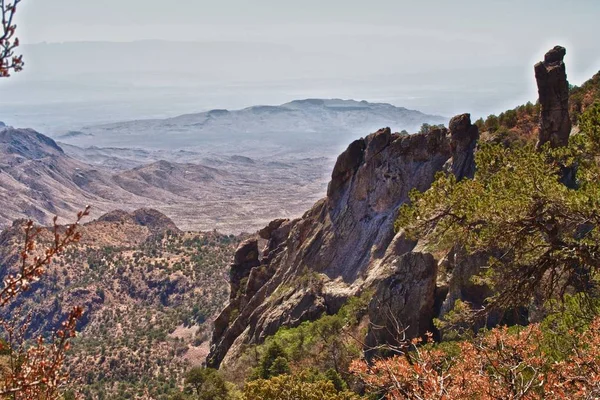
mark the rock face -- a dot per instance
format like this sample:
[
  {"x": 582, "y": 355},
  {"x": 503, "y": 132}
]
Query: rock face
[
  {"x": 464, "y": 139},
  {"x": 246, "y": 258},
  {"x": 346, "y": 243},
  {"x": 553, "y": 88},
  {"x": 403, "y": 305}
]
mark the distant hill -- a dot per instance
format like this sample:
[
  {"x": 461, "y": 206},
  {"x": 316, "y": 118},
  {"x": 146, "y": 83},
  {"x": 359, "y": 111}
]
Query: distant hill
[
  {"x": 229, "y": 170},
  {"x": 326, "y": 125},
  {"x": 72, "y": 134}
]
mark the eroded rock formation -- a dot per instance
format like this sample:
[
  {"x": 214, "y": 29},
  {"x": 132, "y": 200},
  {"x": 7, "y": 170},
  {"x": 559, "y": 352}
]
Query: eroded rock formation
[
  {"x": 553, "y": 88},
  {"x": 346, "y": 243},
  {"x": 464, "y": 139}
]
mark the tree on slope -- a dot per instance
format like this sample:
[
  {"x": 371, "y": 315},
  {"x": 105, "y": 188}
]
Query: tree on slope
[
  {"x": 543, "y": 236},
  {"x": 545, "y": 244}
]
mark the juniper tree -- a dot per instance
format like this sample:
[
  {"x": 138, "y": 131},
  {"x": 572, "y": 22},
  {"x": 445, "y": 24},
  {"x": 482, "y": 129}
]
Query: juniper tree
[{"x": 543, "y": 235}]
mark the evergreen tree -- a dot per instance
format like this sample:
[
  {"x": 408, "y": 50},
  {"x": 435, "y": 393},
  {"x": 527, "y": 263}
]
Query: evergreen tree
[{"x": 542, "y": 236}]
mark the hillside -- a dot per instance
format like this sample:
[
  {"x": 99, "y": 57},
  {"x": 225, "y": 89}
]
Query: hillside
[
  {"x": 39, "y": 180},
  {"x": 149, "y": 291},
  {"x": 230, "y": 170}
]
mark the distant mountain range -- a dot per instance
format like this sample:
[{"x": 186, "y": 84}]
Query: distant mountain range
[{"x": 297, "y": 126}]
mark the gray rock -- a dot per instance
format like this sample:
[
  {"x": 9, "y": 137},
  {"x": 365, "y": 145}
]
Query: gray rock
[
  {"x": 403, "y": 304},
  {"x": 464, "y": 140},
  {"x": 346, "y": 243},
  {"x": 553, "y": 88},
  {"x": 245, "y": 258}
]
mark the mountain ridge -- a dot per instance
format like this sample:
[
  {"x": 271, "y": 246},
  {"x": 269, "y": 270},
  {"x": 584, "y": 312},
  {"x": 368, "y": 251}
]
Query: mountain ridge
[
  {"x": 292, "y": 127},
  {"x": 347, "y": 245}
]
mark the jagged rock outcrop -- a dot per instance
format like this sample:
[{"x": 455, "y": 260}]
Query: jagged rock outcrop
[
  {"x": 464, "y": 140},
  {"x": 553, "y": 88},
  {"x": 346, "y": 243},
  {"x": 246, "y": 258}
]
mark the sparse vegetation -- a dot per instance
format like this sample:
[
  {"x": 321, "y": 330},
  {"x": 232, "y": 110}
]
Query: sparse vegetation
[
  {"x": 148, "y": 300},
  {"x": 542, "y": 239},
  {"x": 34, "y": 369},
  {"x": 541, "y": 234}
]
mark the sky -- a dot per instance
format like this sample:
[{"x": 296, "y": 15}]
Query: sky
[{"x": 440, "y": 56}]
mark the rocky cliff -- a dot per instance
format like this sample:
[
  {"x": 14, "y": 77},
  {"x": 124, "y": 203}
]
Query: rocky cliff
[{"x": 346, "y": 243}]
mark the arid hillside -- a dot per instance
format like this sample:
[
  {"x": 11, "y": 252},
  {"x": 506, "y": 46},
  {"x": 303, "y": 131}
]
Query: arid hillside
[{"x": 149, "y": 291}]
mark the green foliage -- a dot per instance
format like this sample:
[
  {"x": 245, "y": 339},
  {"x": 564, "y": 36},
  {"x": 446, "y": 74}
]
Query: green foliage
[
  {"x": 297, "y": 387},
  {"x": 480, "y": 123},
  {"x": 491, "y": 123},
  {"x": 335, "y": 378},
  {"x": 280, "y": 366},
  {"x": 582, "y": 97},
  {"x": 541, "y": 236},
  {"x": 272, "y": 361},
  {"x": 326, "y": 345},
  {"x": 453, "y": 323},
  {"x": 207, "y": 384},
  {"x": 514, "y": 126},
  {"x": 427, "y": 128},
  {"x": 574, "y": 314},
  {"x": 591, "y": 127}
]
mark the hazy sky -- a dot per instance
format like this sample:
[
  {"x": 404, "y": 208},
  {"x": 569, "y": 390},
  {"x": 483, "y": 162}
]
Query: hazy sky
[
  {"x": 380, "y": 50},
  {"x": 505, "y": 23}
]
